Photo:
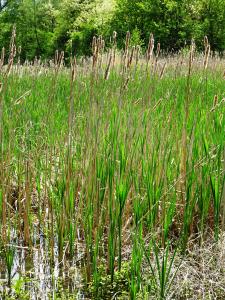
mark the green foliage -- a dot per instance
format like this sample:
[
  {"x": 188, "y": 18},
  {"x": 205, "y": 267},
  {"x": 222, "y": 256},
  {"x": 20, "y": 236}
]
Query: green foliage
[
  {"x": 136, "y": 37},
  {"x": 72, "y": 24},
  {"x": 211, "y": 22},
  {"x": 173, "y": 22},
  {"x": 34, "y": 22},
  {"x": 69, "y": 25}
]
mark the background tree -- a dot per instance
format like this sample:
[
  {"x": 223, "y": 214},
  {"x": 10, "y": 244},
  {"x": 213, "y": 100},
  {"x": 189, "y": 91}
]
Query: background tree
[
  {"x": 46, "y": 25},
  {"x": 34, "y": 20},
  {"x": 211, "y": 22},
  {"x": 173, "y": 22}
]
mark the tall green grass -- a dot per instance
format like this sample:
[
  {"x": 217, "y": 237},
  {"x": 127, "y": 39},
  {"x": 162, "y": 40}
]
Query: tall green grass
[{"x": 124, "y": 157}]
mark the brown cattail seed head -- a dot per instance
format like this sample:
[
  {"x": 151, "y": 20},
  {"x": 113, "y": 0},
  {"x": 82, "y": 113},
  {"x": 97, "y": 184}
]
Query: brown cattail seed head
[
  {"x": 150, "y": 46},
  {"x": 215, "y": 102},
  {"x": 131, "y": 57},
  {"x": 99, "y": 44},
  {"x": 107, "y": 72},
  {"x": 61, "y": 58},
  {"x": 207, "y": 53},
  {"x": 162, "y": 71},
  {"x": 206, "y": 42},
  {"x": 114, "y": 35}
]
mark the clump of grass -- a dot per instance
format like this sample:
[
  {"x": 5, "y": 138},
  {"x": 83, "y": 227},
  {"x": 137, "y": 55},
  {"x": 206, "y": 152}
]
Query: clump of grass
[{"x": 9, "y": 253}]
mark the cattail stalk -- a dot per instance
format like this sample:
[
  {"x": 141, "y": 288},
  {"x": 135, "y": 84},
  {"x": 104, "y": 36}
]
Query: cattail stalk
[
  {"x": 206, "y": 59},
  {"x": 95, "y": 51},
  {"x": 131, "y": 58},
  {"x": 150, "y": 48},
  {"x": 163, "y": 70},
  {"x": 70, "y": 123},
  {"x": 126, "y": 51},
  {"x": 102, "y": 53},
  {"x": 70, "y": 115},
  {"x": 27, "y": 206},
  {"x": 114, "y": 48},
  {"x": 107, "y": 71}
]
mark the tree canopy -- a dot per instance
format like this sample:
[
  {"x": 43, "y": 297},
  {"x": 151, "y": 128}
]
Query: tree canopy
[{"x": 44, "y": 26}]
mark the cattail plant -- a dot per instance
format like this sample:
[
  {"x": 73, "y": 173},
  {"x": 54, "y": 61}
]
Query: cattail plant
[
  {"x": 126, "y": 52},
  {"x": 162, "y": 70},
  {"x": 99, "y": 160},
  {"x": 101, "y": 46},
  {"x": 95, "y": 52},
  {"x": 107, "y": 71},
  {"x": 68, "y": 208},
  {"x": 9, "y": 253},
  {"x": 162, "y": 271},
  {"x": 207, "y": 52},
  {"x": 131, "y": 57},
  {"x": 150, "y": 49},
  {"x": 114, "y": 47}
]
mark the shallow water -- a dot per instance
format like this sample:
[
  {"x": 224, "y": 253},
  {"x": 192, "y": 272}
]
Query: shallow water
[{"x": 33, "y": 274}]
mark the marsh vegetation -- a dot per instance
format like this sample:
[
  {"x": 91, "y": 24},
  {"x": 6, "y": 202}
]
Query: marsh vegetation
[{"x": 112, "y": 174}]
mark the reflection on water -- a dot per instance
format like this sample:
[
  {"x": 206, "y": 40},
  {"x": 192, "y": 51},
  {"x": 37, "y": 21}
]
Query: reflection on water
[{"x": 33, "y": 273}]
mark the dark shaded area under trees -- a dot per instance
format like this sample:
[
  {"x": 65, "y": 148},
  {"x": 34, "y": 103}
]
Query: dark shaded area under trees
[{"x": 44, "y": 26}]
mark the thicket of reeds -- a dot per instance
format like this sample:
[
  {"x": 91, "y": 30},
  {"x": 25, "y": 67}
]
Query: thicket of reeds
[{"x": 112, "y": 164}]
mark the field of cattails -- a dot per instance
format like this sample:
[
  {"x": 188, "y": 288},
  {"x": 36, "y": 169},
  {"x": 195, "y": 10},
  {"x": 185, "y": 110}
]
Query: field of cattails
[{"x": 112, "y": 174}]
